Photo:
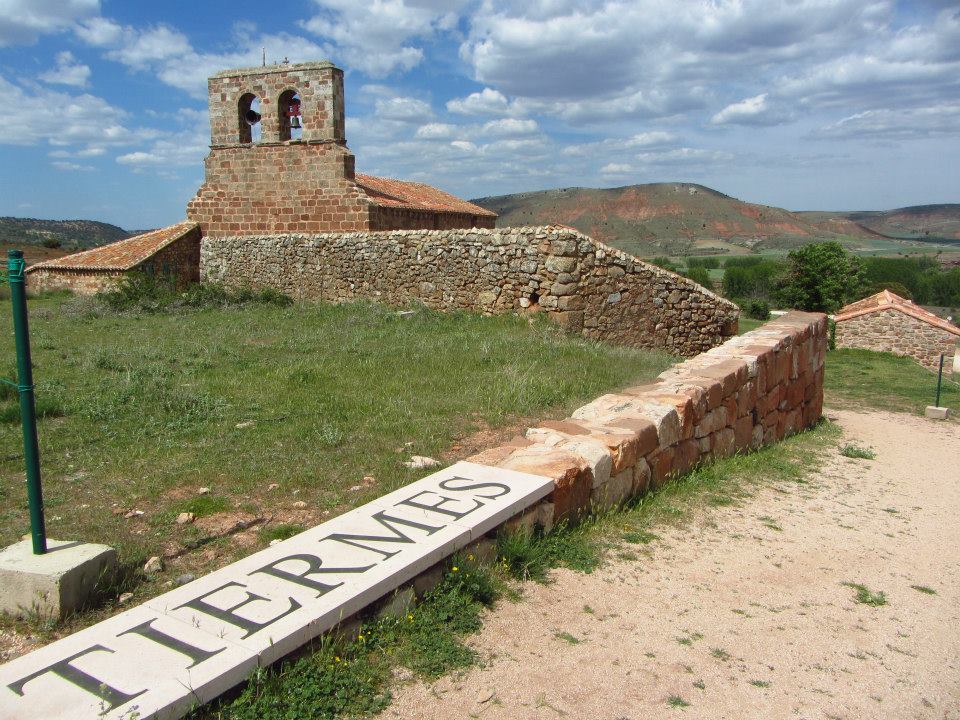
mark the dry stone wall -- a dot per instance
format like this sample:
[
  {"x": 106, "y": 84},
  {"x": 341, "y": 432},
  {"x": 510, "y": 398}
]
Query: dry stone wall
[
  {"x": 584, "y": 285},
  {"x": 751, "y": 391},
  {"x": 898, "y": 333}
]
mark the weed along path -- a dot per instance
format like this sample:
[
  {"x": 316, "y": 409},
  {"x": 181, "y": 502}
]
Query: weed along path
[{"x": 834, "y": 597}]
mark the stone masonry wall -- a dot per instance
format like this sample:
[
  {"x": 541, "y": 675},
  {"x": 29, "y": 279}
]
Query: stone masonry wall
[
  {"x": 279, "y": 188},
  {"x": 392, "y": 218},
  {"x": 80, "y": 282},
  {"x": 753, "y": 390},
  {"x": 584, "y": 285},
  {"x": 898, "y": 333}
]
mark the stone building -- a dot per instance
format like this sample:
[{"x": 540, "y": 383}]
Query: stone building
[
  {"x": 279, "y": 163},
  {"x": 887, "y": 322},
  {"x": 172, "y": 252}
]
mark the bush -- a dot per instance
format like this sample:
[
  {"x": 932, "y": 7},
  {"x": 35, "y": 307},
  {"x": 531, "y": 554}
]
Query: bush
[
  {"x": 149, "y": 293},
  {"x": 822, "y": 278},
  {"x": 708, "y": 262},
  {"x": 699, "y": 275},
  {"x": 665, "y": 263},
  {"x": 758, "y": 309},
  {"x": 51, "y": 243}
]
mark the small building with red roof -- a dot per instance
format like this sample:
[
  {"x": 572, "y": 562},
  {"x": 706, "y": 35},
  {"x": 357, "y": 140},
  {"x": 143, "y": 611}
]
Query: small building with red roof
[
  {"x": 886, "y": 322},
  {"x": 173, "y": 252}
]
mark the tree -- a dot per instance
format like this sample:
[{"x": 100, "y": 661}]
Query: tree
[
  {"x": 699, "y": 275},
  {"x": 822, "y": 277}
]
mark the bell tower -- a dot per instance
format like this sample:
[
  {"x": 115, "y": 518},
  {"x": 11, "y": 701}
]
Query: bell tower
[{"x": 279, "y": 160}]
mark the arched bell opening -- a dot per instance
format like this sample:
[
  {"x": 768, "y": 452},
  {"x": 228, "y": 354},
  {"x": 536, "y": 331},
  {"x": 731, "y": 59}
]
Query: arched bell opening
[
  {"x": 248, "y": 110},
  {"x": 288, "y": 110}
]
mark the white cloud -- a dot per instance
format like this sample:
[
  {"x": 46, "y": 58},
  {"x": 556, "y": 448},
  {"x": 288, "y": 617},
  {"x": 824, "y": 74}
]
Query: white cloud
[
  {"x": 486, "y": 102},
  {"x": 67, "y": 71},
  {"x": 685, "y": 156},
  {"x": 70, "y": 166},
  {"x": 99, "y": 32},
  {"x": 378, "y": 37},
  {"x": 141, "y": 48},
  {"x": 22, "y": 22},
  {"x": 403, "y": 109},
  {"x": 616, "y": 169},
  {"x": 750, "y": 111},
  {"x": 168, "y": 53},
  {"x": 81, "y": 119},
  {"x": 436, "y": 131},
  {"x": 509, "y": 127},
  {"x": 899, "y": 124}
]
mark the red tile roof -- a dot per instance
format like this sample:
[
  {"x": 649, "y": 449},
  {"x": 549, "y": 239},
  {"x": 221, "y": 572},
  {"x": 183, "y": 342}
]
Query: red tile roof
[
  {"x": 121, "y": 255},
  {"x": 415, "y": 196},
  {"x": 886, "y": 300}
]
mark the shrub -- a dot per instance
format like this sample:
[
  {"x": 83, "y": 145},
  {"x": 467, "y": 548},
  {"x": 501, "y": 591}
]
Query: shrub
[
  {"x": 699, "y": 275},
  {"x": 708, "y": 262},
  {"x": 138, "y": 292},
  {"x": 51, "y": 243},
  {"x": 758, "y": 309},
  {"x": 665, "y": 263},
  {"x": 822, "y": 277}
]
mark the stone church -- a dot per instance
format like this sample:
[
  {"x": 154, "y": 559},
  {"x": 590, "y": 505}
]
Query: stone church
[{"x": 278, "y": 163}]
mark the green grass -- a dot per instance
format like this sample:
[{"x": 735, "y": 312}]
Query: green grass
[
  {"x": 865, "y": 596},
  {"x": 567, "y": 638},
  {"x": 151, "y": 406},
  {"x": 351, "y": 676},
  {"x": 857, "y": 453},
  {"x": 747, "y": 324},
  {"x": 862, "y": 378},
  {"x": 924, "y": 589},
  {"x": 675, "y": 701}
]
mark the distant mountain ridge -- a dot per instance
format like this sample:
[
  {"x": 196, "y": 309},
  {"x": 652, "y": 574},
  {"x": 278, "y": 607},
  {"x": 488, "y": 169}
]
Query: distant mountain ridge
[
  {"x": 687, "y": 218},
  {"x": 59, "y": 234}
]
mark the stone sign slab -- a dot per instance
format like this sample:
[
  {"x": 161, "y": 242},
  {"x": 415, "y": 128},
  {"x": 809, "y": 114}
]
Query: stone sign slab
[{"x": 188, "y": 646}]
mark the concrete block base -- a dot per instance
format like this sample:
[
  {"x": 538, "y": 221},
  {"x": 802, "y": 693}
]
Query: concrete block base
[
  {"x": 56, "y": 583},
  {"x": 937, "y": 413}
]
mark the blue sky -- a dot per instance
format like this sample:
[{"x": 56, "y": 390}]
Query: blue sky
[{"x": 805, "y": 104}]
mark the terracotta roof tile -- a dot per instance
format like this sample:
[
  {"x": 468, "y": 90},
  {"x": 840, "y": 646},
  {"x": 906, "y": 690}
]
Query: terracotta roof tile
[
  {"x": 121, "y": 255},
  {"x": 886, "y": 300},
  {"x": 415, "y": 196}
]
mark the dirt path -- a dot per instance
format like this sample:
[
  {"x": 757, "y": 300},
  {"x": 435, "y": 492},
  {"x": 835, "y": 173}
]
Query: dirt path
[{"x": 743, "y": 614}]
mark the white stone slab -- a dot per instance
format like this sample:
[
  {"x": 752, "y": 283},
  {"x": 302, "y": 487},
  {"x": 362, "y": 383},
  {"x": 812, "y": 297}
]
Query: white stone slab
[{"x": 259, "y": 609}]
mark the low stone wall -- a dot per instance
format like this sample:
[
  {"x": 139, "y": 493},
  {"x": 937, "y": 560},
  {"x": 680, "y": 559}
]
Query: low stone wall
[
  {"x": 586, "y": 286},
  {"x": 753, "y": 390},
  {"x": 901, "y": 334},
  {"x": 82, "y": 282}
]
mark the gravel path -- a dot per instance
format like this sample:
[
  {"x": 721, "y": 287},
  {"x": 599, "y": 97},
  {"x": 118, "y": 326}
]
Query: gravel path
[{"x": 743, "y": 613}]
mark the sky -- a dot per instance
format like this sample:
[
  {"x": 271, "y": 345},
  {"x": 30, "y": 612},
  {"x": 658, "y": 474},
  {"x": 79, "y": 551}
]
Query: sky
[{"x": 803, "y": 104}]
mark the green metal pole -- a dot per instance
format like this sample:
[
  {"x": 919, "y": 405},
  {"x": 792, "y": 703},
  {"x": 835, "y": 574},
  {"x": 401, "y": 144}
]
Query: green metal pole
[
  {"x": 939, "y": 380},
  {"x": 28, "y": 414}
]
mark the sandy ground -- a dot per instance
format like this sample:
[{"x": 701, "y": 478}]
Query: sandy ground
[{"x": 743, "y": 620}]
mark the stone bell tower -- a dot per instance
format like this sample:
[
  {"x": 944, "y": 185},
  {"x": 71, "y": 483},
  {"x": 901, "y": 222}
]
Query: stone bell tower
[{"x": 278, "y": 161}]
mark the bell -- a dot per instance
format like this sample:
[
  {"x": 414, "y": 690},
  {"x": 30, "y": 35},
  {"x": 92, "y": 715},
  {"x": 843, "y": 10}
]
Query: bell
[
  {"x": 252, "y": 117},
  {"x": 295, "y": 123}
]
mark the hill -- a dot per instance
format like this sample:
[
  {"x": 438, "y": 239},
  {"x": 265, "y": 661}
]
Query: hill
[
  {"x": 67, "y": 235},
  {"x": 918, "y": 222},
  {"x": 687, "y": 219}
]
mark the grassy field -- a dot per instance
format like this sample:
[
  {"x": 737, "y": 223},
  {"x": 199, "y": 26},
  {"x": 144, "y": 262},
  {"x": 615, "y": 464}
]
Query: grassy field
[
  {"x": 286, "y": 414},
  {"x": 862, "y": 378}
]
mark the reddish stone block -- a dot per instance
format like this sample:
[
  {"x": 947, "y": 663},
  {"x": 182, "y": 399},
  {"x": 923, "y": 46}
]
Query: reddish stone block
[
  {"x": 743, "y": 432},
  {"x": 661, "y": 466},
  {"x": 686, "y": 455}
]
